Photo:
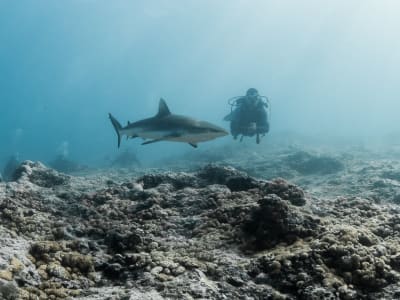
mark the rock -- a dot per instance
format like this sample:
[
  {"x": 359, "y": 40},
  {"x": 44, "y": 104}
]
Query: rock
[
  {"x": 37, "y": 173},
  {"x": 214, "y": 174},
  {"x": 178, "y": 181},
  {"x": 178, "y": 271},
  {"x": 276, "y": 221},
  {"x": 6, "y": 275},
  {"x": 241, "y": 183},
  {"x": 124, "y": 241},
  {"x": 113, "y": 271},
  {"x": 55, "y": 270},
  {"x": 156, "y": 270},
  {"x": 215, "y": 233},
  {"x": 391, "y": 174},
  {"x": 286, "y": 191},
  {"x": 8, "y": 291},
  {"x": 83, "y": 263},
  {"x": 306, "y": 163},
  {"x": 395, "y": 262},
  {"x": 41, "y": 250}
]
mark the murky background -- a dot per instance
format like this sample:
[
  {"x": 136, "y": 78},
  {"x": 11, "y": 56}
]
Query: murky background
[{"x": 330, "y": 70}]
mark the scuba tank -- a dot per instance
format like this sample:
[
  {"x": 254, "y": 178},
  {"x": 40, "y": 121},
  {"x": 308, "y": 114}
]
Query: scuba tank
[
  {"x": 233, "y": 102},
  {"x": 249, "y": 128}
]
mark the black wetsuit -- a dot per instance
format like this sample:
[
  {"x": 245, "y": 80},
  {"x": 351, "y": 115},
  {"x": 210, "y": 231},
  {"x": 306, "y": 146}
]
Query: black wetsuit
[{"x": 249, "y": 117}]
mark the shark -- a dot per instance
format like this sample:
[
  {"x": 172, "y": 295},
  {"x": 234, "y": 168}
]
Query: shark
[{"x": 165, "y": 126}]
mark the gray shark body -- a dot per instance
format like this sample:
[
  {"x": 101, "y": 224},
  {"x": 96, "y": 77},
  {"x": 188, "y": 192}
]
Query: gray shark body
[{"x": 169, "y": 127}]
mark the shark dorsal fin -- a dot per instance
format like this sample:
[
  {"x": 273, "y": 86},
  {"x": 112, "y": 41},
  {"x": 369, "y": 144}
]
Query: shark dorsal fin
[{"x": 163, "y": 109}]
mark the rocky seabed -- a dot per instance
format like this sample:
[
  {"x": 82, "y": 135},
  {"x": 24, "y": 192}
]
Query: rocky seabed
[{"x": 215, "y": 233}]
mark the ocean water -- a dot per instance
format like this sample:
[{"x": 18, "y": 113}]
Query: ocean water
[{"x": 329, "y": 68}]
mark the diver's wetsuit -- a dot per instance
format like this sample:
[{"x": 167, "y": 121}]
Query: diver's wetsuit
[{"x": 249, "y": 119}]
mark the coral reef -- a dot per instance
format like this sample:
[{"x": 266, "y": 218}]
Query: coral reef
[
  {"x": 216, "y": 233},
  {"x": 306, "y": 163},
  {"x": 38, "y": 174}
]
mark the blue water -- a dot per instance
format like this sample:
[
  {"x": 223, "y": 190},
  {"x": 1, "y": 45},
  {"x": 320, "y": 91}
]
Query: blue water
[{"x": 330, "y": 68}]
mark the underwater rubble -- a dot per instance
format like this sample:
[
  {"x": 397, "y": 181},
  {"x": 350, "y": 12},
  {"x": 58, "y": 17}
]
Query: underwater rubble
[
  {"x": 306, "y": 163},
  {"x": 216, "y": 233}
]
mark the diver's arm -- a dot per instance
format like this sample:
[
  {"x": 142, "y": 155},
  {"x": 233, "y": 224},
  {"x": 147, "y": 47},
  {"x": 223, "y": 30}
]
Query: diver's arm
[{"x": 265, "y": 103}]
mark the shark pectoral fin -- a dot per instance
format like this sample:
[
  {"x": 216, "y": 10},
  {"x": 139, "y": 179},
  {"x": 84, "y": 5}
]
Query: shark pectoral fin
[
  {"x": 152, "y": 141},
  {"x": 194, "y": 145},
  {"x": 164, "y": 138},
  {"x": 131, "y": 136}
]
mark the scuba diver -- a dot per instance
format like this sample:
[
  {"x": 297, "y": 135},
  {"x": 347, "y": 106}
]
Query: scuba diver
[{"x": 249, "y": 115}]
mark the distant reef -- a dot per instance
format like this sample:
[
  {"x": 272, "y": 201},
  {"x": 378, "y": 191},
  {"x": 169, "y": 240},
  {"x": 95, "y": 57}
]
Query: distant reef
[{"x": 215, "y": 233}]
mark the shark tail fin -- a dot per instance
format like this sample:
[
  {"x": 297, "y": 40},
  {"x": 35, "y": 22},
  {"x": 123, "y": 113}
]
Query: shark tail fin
[{"x": 117, "y": 127}]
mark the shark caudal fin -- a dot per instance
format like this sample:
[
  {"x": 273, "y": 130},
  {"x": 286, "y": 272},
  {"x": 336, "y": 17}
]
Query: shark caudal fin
[{"x": 117, "y": 127}]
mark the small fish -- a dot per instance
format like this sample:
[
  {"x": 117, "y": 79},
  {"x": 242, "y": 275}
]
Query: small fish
[{"x": 165, "y": 126}]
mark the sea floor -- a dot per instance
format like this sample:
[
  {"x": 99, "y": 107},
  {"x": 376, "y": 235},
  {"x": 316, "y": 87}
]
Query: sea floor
[{"x": 231, "y": 222}]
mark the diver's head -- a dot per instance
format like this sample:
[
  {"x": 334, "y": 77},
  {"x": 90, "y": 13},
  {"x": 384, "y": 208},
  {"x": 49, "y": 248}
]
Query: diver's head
[
  {"x": 252, "y": 92},
  {"x": 252, "y": 98}
]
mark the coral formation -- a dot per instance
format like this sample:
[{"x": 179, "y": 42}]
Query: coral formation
[
  {"x": 306, "y": 163},
  {"x": 215, "y": 233}
]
